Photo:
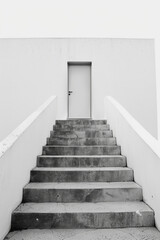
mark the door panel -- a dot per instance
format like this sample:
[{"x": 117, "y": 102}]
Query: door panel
[{"x": 80, "y": 87}]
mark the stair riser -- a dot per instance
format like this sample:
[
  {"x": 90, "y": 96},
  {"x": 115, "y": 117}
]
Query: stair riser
[
  {"x": 110, "y": 150},
  {"x": 81, "y": 142},
  {"x": 81, "y": 127},
  {"x": 81, "y": 122},
  {"x": 81, "y": 134},
  {"x": 76, "y": 204},
  {"x": 81, "y": 162},
  {"x": 82, "y": 195},
  {"x": 81, "y": 220},
  {"x": 82, "y": 176}
]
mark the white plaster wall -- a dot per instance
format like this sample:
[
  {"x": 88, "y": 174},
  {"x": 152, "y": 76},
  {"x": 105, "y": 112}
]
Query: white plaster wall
[
  {"x": 157, "y": 63},
  {"x": 18, "y": 154},
  {"x": 142, "y": 152},
  {"x": 33, "y": 69},
  {"x": 81, "y": 18}
]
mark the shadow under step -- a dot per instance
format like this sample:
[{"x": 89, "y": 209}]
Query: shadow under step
[{"x": 82, "y": 215}]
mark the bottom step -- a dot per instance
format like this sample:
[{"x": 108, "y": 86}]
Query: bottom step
[
  {"x": 145, "y": 233},
  {"x": 82, "y": 215}
]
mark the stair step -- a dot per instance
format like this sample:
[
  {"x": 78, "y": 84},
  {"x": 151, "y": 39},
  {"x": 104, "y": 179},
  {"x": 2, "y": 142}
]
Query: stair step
[
  {"x": 82, "y": 192},
  {"x": 139, "y": 233},
  {"x": 81, "y": 127},
  {"x": 81, "y": 134},
  {"x": 82, "y": 215},
  {"x": 88, "y": 122},
  {"x": 105, "y": 174},
  {"x": 81, "y": 161},
  {"x": 82, "y": 150},
  {"x": 81, "y": 142},
  {"x": 81, "y": 181}
]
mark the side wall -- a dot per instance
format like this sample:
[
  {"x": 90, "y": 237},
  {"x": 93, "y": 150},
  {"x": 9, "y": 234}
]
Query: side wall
[
  {"x": 18, "y": 154},
  {"x": 33, "y": 69},
  {"x": 141, "y": 149}
]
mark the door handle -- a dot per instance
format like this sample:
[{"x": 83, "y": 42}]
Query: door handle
[{"x": 69, "y": 92}]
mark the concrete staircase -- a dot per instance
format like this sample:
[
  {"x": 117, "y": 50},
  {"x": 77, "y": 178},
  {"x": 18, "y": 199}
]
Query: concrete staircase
[{"x": 82, "y": 181}]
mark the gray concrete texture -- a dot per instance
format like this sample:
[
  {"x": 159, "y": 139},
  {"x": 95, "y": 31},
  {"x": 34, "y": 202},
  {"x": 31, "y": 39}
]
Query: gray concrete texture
[
  {"x": 143, "y": 233},
  {"x": 81, "y": 161},
  {"x": 82, "y": 182},
  {"x": 82, "y": 192},
  {"x": 92, "y": 174}
]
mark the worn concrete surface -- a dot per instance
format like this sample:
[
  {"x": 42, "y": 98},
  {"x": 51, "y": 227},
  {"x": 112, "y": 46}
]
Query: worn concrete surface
[
  {"x": 99, "y": 174},
  {"x": 82, "y": 182},
  {"x": 113, "y": 207},
  {"x": 82, "y": 215},
  {"x": 81, "y": 134},
  {"x": 81, "y": 161},
  {"x": 88, "y": 122},
  {"x": 81, "y": 127},
  {"x": 81, "y": 142},
  {"x": 143, "y": 233},
  {"x": 82, "y": 192},
  {"x": 82, "y": 150}
]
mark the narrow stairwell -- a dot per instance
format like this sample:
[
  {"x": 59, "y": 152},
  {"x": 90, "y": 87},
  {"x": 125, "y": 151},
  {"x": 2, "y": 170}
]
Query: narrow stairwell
[{"x": 82, "y": 181}]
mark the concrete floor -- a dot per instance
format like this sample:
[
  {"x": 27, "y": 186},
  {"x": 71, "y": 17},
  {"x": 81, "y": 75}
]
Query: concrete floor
[{"x": 87, "y": 234}]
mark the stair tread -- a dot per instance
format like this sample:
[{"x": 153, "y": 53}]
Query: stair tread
[
  {"x": 81, "y": 156},
  {"x": 82, "y": 185},
  {"x": 84, "y": 146},
  {"x": 83, "y": 138},
  {"x": 138, "y": 233},
  {"x": 81, "y": 141},
  {"x": 81, "y": 169},
  {"x": 81, "y": 125},
  {"x": 57, "y": 130},
  {"x": 100, "y": 207},
  {"x": 81, "y": 119},
  {"x": 87, "y": 190}
]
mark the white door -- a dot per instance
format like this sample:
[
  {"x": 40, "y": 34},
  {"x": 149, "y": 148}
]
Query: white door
[{"x": 79, "y": 94}]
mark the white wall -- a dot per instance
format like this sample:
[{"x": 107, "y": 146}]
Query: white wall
[
  {"x": 81, "y": 18},
  {"x": 157, "y": 61},
  {"x": 33, "y": 69},
  {"x": 141, "y": 149},
  {"x": 18, "y": 154}
]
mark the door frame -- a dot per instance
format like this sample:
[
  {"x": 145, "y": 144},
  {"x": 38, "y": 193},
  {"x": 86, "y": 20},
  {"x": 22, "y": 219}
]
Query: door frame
[{"x": 83, "y": 63}]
